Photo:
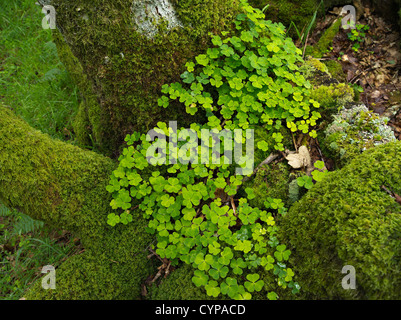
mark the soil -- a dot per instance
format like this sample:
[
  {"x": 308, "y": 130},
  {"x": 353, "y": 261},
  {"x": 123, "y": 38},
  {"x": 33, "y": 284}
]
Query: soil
[{"x": 374, "y": 67}]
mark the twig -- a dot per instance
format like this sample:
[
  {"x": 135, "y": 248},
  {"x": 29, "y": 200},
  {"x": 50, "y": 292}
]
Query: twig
[
  {"x": 392, "y": 194},
  {"x": 363, "y": 73},
  {"x": 233, "y": 205},
  {"x": 293, "y": 140},
  {"x": 154, "y": 254}
]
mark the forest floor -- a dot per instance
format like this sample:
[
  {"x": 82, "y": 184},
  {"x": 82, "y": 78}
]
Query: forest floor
[
  {"x": 35, "y": 84},
  {"x": 371, "y": 61}
]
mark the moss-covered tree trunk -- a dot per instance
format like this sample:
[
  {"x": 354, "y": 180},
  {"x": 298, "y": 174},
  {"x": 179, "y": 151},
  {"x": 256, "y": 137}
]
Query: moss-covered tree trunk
[
  {"x": 64, "y": 186},
  {"x": 127, "y": 50}
]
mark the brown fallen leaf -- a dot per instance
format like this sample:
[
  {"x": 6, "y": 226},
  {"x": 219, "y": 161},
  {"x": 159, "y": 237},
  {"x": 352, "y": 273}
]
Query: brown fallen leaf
[{"x": 300, "y": 159}]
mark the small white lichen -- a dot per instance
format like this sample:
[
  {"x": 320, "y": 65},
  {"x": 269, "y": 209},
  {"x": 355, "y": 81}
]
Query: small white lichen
[
  {"x": 369, "y": 126},
  {"x": 149, "y": 13}
]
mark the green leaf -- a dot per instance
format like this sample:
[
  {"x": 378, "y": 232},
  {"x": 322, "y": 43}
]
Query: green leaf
[
  {"x": 113, "y": 219},
  {"x": 200, "y": 278},
  {"x": 237, "y": 265},
  {"x": 190, "y": 66},
  {"x": 263, "y": 145},
  {"x": 202, "y": 59},
  {"x": 305, "y": 181},
  {"x": 253, "y": 284},
  {"x": 319, "y": 164},
  {"x": 212, "y": 289}
]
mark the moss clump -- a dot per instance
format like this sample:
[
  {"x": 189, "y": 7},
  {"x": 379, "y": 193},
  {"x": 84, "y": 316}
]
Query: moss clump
[
  {"x": 90, "y": 276},
  {"x": 336, "y": 70},
  {"x": 178, "y": 286},
  {"x": 347, "y": 219},
  {"x": 311, "y": 67},
  {"x": 316, "y": 72},
  {"x": 354, "y": 131},
  {"x": 325, "y": 41},
  {"x": 333, "y": 96}
]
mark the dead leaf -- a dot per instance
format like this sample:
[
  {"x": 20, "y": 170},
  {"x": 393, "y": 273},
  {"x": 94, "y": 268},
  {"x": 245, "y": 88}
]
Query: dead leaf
[
  {"x": 375, "y": 94},
  {"x": 301, "y": 159}
]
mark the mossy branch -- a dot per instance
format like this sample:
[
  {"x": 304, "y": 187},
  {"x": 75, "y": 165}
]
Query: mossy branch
[
  {"x": 65, "y": 186},
  {"x": 50, "y": 180}
]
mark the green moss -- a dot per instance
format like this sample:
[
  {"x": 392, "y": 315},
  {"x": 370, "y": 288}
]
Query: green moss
[
  {"x": 325, "y": 41},
  {"x": 317, "y": 65},
  {"x": 270, "y": 181},
  {"x": 82, "y": 126},
  {"x": 316, "y": 72},
  {"x": 89, "y": 112},
  {"x": 178, "y": 286},
  {"x": 331, "y": 97},
  {"x": 347, "y": 219},
  {"x": 92, "y": 277},
  {"x": 65, "y": 187},
  {"x": 336, "y": 70}
]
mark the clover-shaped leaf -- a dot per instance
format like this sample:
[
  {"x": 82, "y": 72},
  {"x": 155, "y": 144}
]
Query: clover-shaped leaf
[
  {"x": 200, "y": 278},
  {"x": 167, "y": 201},
  {"x": 203, "y": 262},
  {"x": 113, "y": 219},
  {"x": 267, "y": 262},
  {"x": 237, "y": 265},
  {"x": 173, "y": 185},
  {"x": 125, "y": 218},
  {"x": 253, "y": 283},
  {"x": 244, "y": 246},
  {"x": 282, "y": 254},
  {"x": 213, "y": 289},
  {"x": 218, "y": 271},
  {"x": 305, "y": 181},
  {"x": 214, "y": 248},
  {"x": 226, "y": 256}
]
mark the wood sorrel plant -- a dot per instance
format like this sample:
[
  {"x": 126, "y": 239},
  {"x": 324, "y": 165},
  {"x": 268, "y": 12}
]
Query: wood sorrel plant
[
  {"x": 249, "y": 78},
  {"x": 198, "y": 211}
]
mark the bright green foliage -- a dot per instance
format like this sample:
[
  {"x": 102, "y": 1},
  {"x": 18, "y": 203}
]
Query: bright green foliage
[
  {"x": 191, "y": 207},
  {"x": 250, "y": 77},
  {"x": 186, "y": 212},
  {"x": 305, "y": 181},
  {"x": 348, "y": 219},
  {"x": 357, "y": 35},
  {"x": 317, "y": 175}
]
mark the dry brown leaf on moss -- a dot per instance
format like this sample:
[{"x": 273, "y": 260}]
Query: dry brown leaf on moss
[{"x": 299, "y": 159}]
